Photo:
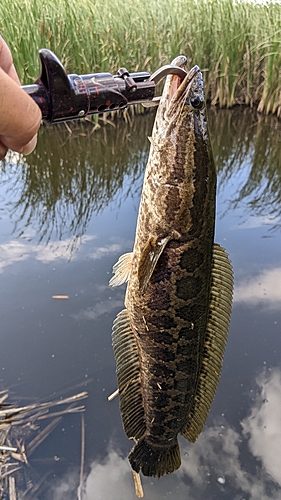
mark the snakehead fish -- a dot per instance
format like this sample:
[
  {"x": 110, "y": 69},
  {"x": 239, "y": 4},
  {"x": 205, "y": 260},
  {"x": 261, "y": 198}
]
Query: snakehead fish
[{"x": 169, "y": 341}]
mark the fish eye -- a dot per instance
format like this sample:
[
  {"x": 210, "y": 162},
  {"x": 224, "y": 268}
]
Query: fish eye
[{"x": 196, "y": 103}]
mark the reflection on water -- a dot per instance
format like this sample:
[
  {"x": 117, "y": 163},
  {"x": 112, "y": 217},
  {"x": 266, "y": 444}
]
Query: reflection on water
[
  {"x": 88, "y": 185},
  {"x": 215, "y": 466},
  {"x": 264, "y": 289},
  {"x": 248, "y": 146},
  {"x": 70, "y": 176},
  {"x": 20, "y": 435}
]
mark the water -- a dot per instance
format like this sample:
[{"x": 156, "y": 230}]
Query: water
[{"x": 67, "y": 213}]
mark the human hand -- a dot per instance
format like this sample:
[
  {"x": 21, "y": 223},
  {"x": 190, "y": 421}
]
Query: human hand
[{"x": 20, "y": 117}]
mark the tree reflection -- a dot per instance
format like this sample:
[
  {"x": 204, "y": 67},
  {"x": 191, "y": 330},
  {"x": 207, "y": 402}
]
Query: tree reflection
[
  {"x": 74, "y": 173},
  {"x": 245, "y": 141}
]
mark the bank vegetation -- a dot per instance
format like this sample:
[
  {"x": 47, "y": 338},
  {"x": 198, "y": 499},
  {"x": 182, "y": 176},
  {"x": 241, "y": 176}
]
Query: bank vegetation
[{"x": 236, "y": 43}]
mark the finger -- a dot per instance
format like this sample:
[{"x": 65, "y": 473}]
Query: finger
[
  {"x": 13, "y": 74},
  {"x": 20, "y": 116},
  {"x": 25, "y": 150},
  {"x": 3, "y": 151},
  {"x": 6, "y": 61},
  {"x": 30, "y": 146}
]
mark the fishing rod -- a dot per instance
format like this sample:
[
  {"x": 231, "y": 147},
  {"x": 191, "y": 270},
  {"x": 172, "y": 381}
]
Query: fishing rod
[{"x": 63, "y": 97}]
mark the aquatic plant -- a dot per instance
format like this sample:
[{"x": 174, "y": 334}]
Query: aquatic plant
[{"x": 237, "y": 44}]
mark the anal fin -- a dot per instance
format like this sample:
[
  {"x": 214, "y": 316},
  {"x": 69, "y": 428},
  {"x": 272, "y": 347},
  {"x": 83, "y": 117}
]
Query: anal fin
[
  {"x": 128, "y": 376},
  {"x": 215, "y": 342},
  {"x": 122, "y": 269}
]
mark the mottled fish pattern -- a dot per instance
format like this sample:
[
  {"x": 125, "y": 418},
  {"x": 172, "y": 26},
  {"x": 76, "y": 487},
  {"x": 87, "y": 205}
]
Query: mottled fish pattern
[{"x": 169, "y": 340}]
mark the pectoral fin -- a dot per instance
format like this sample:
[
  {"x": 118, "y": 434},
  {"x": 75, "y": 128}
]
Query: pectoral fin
[
  {"x": 150, "y": 256},
  {"x": 122, "y": 269}
]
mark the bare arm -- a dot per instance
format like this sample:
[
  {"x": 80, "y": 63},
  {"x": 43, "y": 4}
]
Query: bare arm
[{"x": 20, "y": 117}]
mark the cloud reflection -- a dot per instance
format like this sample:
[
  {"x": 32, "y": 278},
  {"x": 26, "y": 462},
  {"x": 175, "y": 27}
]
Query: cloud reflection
[
  {"x": 104, "y": 307},
  {"x": 264, "y": 289},
  {"x": 20, "y": 250},
  {"x": 263, "y": 425},
  {"x": 100, "y": 252},
  {"x": 215, "y": 466}
]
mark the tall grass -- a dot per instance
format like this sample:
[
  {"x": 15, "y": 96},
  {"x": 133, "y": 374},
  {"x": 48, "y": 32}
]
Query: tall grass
[{"x": 237, "y": 44}]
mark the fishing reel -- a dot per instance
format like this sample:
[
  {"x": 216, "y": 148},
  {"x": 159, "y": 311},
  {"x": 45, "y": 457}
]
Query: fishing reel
[{"x": 63, "y": 97}]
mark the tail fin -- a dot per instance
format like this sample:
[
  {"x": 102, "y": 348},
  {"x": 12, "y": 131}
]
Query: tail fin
[{"x": 155, "y": 460}]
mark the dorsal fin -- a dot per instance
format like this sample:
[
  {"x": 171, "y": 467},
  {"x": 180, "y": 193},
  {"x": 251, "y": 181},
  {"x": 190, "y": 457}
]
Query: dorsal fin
[
  {"x": 122, "y": 269},
  {"x": 215, "y": 341},
  {"x": 128, "y": 376}
]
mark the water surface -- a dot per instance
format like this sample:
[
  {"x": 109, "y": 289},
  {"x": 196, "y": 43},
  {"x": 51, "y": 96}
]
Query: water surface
[{"x": 67, "y": 213}]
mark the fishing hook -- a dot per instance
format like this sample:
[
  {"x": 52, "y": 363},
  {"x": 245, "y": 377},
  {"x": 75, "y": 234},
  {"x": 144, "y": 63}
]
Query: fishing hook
[{"x": 158, "y": 75}]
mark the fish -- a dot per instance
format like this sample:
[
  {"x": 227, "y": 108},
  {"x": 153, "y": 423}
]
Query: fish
[{"x": 170, "y": 339}]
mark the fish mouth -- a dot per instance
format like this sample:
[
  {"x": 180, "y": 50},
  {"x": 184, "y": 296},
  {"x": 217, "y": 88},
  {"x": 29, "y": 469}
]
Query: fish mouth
[{"x": 187, "y": 93}]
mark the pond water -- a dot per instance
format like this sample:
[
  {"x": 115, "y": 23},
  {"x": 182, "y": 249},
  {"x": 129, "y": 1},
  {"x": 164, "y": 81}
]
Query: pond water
[{"x": 67, "y": 213}]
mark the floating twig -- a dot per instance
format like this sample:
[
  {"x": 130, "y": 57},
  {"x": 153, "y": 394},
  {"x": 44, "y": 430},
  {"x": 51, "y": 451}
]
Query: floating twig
[
  {"x": 7, "y": 448},
  {"x": 31, "y": 447},
  {"x": 138, "y": 485},
  {"x": 14, "y": 411},
  {"x": 113, "y": 395},
  {"x": 80, "y": 487},
  {"x": 12, "y": 488},
  {"x": 15, "y": 453}
]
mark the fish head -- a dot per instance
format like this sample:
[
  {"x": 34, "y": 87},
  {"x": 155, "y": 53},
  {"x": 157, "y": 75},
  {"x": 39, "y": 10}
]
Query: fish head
[
  {"x": 181, "y": 100},
  {"x": 181, "y": 168}
]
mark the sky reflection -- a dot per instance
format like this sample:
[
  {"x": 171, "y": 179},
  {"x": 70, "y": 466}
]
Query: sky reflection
[
  {"x": 213, "y": 467},
  {"x": 46, "y": 344},
  {"x": 263, "y": 289}
]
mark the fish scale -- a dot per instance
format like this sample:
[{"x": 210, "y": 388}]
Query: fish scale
[{"x": 179, "y": 293}]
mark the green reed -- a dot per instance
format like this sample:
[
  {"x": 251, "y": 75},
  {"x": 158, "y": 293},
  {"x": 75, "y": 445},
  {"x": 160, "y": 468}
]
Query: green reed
[{"x": 237, "y": 44}]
